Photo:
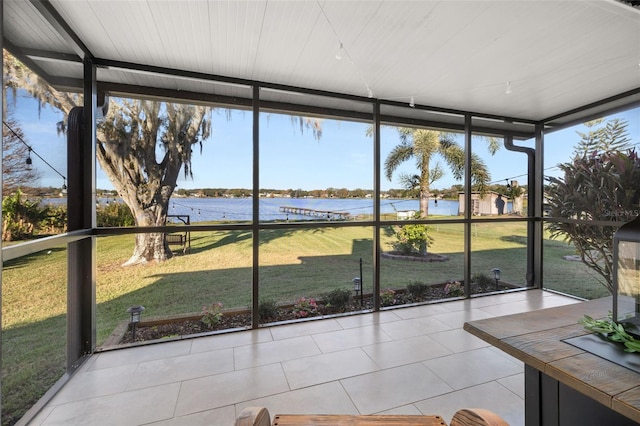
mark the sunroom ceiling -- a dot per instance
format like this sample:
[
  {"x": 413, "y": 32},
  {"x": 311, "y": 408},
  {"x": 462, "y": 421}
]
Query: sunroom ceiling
[{"x": 554, "y": 56}]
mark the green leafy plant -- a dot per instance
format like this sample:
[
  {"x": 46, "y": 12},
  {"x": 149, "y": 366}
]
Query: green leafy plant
[
  {"x": 338, "y": 298},
  {"x": 21, "y": 218},
  {"x": 484, "y": 281},
  {"x": 417, "y": 289},
  {"x": 114, "y": 214},
  {"x": 387, "y": 297},
  {"x": 212, "y": 315},
  {"x": 453, "y": 289},
  {"x": 304, "y": 308},
  {"x": 267, "y": 308},
  {"x": 613, "y": 331},
  {"x": 412, "y": 239}
]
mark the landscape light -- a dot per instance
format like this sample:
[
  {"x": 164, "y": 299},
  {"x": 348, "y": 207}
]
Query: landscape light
[
  {"x": 496, "y": 275},
  {"x": 136, "y": 313}
]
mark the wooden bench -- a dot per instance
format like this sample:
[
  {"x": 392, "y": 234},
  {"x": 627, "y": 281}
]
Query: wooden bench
[
  {"x": 259, "y": 416},
  {"x": 181, "y": 239},
  {"x": 354, "y": 420}
]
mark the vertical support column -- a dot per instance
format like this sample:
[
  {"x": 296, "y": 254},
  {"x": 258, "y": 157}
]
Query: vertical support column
[
  {"x": 1, "y": 117},
  {"x": 467, "y": 205},
  {"x": 376, "y": 206},
  {"x": 81, "y": 275},
  {"x": 537, "y": 201},
  {"x": 255, "y": 281}
]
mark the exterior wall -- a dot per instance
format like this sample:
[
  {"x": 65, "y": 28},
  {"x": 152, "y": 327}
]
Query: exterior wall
[{"x": 481, "y": 206}]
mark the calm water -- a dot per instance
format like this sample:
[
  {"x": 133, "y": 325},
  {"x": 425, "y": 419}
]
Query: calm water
[
  {"x": 207, "y": 209},
  {"x": 215, "y": 209}
]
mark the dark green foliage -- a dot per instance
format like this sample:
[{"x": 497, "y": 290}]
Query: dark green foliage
[
  {"x": 114, "y": 214},
  {"x": 412, "y": 238},
  {"x": 596, "y": 187},
  {"x": 21, "y": 218},
  {"x": 337, "y": 299},
  {"x": 483, "y": 280},
  {"x": 267, "y": 308},
  {"x": 417, "y": 289}
]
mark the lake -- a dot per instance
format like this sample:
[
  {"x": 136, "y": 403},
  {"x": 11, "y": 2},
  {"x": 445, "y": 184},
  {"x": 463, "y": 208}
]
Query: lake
[
  {"x": 240, "y": 209},
  {"x": 213, "y": 209}
]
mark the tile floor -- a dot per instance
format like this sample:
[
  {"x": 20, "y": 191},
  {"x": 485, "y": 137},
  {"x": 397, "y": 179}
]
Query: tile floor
[{"x": 404, "y": 361}]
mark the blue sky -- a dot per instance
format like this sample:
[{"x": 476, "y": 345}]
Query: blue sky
[{"x": 291, "y": 159}]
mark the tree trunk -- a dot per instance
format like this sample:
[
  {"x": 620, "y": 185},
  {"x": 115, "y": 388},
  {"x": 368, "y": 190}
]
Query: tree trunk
[{"x": 424, "y": 202}]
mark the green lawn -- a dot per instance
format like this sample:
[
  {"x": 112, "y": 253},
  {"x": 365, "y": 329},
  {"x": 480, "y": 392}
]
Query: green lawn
[{"x": 293, "y": 263}]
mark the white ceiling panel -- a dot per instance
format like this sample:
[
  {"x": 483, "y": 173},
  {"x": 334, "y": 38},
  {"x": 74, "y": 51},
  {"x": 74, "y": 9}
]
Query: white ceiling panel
[{"x": 556, "y": 55}]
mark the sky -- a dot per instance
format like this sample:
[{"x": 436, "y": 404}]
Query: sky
[{"x": 294, "y": 159}]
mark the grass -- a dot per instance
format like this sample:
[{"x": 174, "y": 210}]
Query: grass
[{"x": 293, "y": 263}]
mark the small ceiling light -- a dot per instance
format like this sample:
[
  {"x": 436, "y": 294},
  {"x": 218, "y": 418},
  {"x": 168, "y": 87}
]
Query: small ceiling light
[
  {"x": 509, "y": 90},
  {"x": 340, "y": 51},
  {"x": 369, "y": 92},
  {"x": 412, "y": 102}
]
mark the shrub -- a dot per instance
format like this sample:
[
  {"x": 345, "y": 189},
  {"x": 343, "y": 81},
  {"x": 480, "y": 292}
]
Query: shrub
[
  {"x": 454, "y": 289},
  {"x": 267, "y": 308},
  {"x": 387, "y": 297},
  {"x": 114, "y": 214},
  {"x": 412, "y": 239},
  {"x": 212, "y": 315},
  {"x": 417, "y": 289},
  {"x": 337, "y": 299},
  {"x": 304, "y": 308},
  {"x": 484, "y": 281},
  {"x": 21, "y": 218}
]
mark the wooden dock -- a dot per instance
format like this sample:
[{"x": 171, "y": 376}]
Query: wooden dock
[{"x": 324, "y": 214}]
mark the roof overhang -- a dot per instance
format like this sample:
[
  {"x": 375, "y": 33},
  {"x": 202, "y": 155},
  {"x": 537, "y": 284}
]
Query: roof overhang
[{"x": 512, "y": 64}]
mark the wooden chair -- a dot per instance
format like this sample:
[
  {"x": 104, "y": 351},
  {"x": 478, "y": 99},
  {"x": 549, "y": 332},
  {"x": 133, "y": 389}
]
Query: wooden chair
[
  {"x": 253, "y": 416},
  {"x": 477, "y": 417}
]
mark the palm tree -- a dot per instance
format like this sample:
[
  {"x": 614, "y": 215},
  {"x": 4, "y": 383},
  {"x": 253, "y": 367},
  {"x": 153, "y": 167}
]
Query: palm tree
[{"x": 422, "y": 145}]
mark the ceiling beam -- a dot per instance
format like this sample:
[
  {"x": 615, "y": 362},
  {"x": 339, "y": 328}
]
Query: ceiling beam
[{"x": 51, "y": 15}]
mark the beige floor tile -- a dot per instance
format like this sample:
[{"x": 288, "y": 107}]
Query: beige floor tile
[
  {"x": 367, "y": 319},
  {"x": 458, "y": 340},
  {"x": 179, "y": 368},
  {"x": 276, "y": 351},
  {"x": 405, "y": 410},
  {"x": 116, "y": 358},
  {"x": 514, "y": 383},
  {"x": 491, "y": 396},
  {"x": 94, "y": 383},
  {"x": 224, "y": 389},
  {"x": 394, "y": 387},
  {"x": 422, "y": 310},
  {"x": 471, "y": 368},
  {"x": 225, "y": 416},
  {"x": 333, "y": 365},
  {"x": 457, "y": 319},
  {"x": 328, "y": 398},
  {"x": 350, "y": 338},
  {"x": 230, "y": 340},
  {"x": 121, "y": 409},
  {"x": 413, "y": 327},
  {"x": 304, "y": 329},
  {"x": 313, "y": 370},
  {"x": 405, "y": 351}
]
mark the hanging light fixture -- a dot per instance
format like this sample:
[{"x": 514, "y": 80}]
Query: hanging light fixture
[
  {"x": 340, "y": 51},
  {"x": 509, "y": 89},
  {"x": 29, "y": 160},
  {"x": 64, "y": 185},
  {"x": 412, "y": 102}
]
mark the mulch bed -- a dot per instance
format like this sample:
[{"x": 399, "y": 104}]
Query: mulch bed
[{"x": 170, "y": 329}]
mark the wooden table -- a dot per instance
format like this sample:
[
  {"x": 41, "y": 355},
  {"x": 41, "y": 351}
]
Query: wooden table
[
  {"x": 564, "y": 385},
  {"x": 351, "y": 420}
]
